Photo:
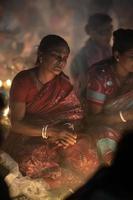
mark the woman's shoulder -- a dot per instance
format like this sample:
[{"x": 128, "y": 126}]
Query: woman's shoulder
[
  {"x": 103, "y": 65},
  {"x": 23, "y": 75},
  {"x": 101, "y": 69}
]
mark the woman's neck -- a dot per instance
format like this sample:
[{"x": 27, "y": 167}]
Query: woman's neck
[
  {"x": 121, "y": 72},
  {"x": 44, "y": 76}
]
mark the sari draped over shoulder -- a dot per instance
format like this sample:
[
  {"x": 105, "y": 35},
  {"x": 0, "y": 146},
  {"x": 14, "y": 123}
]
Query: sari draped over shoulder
[
  {"x": 55, "y": 102},
  {"x": 54, "y": 105}
]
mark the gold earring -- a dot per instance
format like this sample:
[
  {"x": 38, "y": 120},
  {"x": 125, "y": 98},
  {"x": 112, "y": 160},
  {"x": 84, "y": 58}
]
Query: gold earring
[{"x": 117, "y": 59}]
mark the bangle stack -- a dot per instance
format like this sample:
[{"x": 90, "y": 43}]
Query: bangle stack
[
  {"x": 44, "y": 132},
  {"x": 122, "y": 118}
]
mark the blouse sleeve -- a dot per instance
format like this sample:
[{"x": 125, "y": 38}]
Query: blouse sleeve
[
  {"x": 96, "y": 88},
  {"x": 19, "y": 88}
]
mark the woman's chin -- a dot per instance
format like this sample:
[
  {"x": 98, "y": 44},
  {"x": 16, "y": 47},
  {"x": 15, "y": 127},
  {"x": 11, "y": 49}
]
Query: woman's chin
[{"x": 57, "y": 72}]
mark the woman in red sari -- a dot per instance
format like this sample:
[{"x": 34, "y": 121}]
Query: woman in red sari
[
  {"x": 45, "y": 116},
  {"x": 110, "y": 94}
]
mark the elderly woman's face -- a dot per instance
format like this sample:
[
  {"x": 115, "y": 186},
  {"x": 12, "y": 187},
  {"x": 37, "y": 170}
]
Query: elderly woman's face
[
  {"x": 126, "y": 60},
  {"x": 55, "y": 59}
]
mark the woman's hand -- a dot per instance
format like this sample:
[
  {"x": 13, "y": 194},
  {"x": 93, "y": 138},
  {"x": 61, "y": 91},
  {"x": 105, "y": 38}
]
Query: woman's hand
[
  {"x": 66, "y": 139},
  {"x": 62, "y": 138},
  {"x": 63, "y": 135}
]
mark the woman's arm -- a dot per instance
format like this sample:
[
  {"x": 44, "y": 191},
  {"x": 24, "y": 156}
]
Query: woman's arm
[
  {"x": 20, "y": 126},
  {"x": 102, "y": 118}
]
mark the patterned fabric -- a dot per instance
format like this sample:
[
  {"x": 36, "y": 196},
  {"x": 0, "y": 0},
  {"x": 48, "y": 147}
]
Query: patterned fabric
[
  {"x": 56, "y": 101},
  {"x": 103, "y": 89},
  {"x": 56, "y": 105},
  {"x": 103, "y": 84}
]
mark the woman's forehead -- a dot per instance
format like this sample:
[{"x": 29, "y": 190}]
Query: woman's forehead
[{"x": 59, "y": 49}]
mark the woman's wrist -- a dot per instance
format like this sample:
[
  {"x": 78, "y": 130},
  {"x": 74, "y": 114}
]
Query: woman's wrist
[
  {"x": 130, "y": 114},
  {"x": 126, "y": 115},
  {"x": 122, "y": 116},
  {"x": 44, "y": 132},
  {"x": 48, "y": 132}
]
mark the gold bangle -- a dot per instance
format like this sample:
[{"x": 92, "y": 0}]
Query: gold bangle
[
  {"x": 122, "y": 118},
  {"x": 44, "y": 132}
]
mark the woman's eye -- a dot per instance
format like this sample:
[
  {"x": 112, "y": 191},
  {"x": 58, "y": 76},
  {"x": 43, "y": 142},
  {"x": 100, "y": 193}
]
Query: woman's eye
[{"x": 56, "y": 56}]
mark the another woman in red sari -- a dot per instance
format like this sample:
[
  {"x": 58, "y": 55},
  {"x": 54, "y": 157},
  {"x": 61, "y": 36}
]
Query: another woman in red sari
[
  {"x": 45, "y": 116},
  {"x": 110, "y": 94}
]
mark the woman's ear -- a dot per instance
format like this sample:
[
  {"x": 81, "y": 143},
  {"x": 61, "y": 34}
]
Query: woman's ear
[
  {"x": 116, "y": 56},
  {"x": 40, "y": 57}
]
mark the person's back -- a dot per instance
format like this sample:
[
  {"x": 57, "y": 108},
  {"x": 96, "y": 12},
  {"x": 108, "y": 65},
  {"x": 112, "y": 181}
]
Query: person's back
[{"x": 99, "y": 29}]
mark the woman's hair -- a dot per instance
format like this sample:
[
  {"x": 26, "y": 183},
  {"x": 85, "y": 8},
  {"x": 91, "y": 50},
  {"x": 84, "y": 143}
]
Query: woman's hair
[
  {"x": 97, "y": 20},
  {"x": 52, "y": 41},
  {"x": 122, "y": 40},
  {"x": 49, "y": 43}
]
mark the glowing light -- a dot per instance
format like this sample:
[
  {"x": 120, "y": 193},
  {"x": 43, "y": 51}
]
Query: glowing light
[
  {"x": 6, "y": 112},
  {"x": 8, "y": 82},
  {"x": 1, "y": 83}
]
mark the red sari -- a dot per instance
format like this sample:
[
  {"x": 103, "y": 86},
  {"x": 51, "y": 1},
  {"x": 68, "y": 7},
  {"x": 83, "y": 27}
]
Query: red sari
[
  {"x": 104, "y": 89},
  {"x": 55, "y": 105}
]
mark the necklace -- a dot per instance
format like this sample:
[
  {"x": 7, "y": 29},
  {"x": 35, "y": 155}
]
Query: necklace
[
  {"x": 37, "y": 81},
  {"x": 40, "y": 82},
  {"x": 37, "y": 78}
]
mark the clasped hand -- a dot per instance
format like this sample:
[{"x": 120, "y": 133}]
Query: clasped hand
[{"x": 65, "y": 139}]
